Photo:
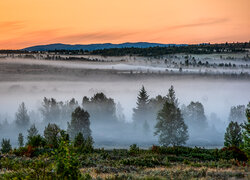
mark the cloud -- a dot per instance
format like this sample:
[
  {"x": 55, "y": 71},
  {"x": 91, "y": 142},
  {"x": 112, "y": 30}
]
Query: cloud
[
  {"x": 201, "y": 22},
  {"x": 8, "y": 26},
  {"x": 97, "y": 36}
]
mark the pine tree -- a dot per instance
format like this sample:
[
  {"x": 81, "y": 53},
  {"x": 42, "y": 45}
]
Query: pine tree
[
  {"x": 22, "y": 117},
  {"x": 32, "y": 131},
  {"x": 5, "y": 146},
  {"x": 140, "y": 113},
  {"x": 233, "y": 136},
  {"x": 20, "y": 140},
  {"x": 51, "y": 134},
  {"x": 170, "y": 124},
  {"x": 79, "y": 123}
]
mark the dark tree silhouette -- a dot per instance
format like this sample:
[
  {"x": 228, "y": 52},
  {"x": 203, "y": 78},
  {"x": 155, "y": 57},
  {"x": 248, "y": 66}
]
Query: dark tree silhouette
[
  {"x": 22, "y": 117},
  {"x": 233, "y": 136},
  {"x": 141, "y": 112},
  {"x": 194, "y": 116},
  {"x": 237, "y": 114},
  {"x": 20, "y": 140},
  {"x": 79, "y": 124},
  {"x": 100, "y": 108},
  {"x": 170, "y": 124}
]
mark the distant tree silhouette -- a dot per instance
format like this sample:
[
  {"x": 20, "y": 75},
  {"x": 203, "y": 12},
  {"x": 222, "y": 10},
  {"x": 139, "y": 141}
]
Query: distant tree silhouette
[
  {"x": 237, "y": 114},
  {"x": 141, "y": 112},
  {"x": 22, "y": 117},
  {"x": 79, "y": 124},
  {"x": 194, "y": 116},
  {"x": 100, "y": 107},
  {"x": 20, "y": 140}
]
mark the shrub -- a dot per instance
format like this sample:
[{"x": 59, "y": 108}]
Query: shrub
[
  {"x": 6, "y": 146},
  {"x": 134, "y": 149},
  {"x": 232, "y": 153}
]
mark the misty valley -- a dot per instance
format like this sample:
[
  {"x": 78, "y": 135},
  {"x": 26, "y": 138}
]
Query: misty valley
[{"x": 124, "y": 117}]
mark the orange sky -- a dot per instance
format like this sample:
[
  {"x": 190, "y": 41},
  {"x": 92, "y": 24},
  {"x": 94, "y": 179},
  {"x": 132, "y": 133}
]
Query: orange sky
[{"x": 31, "y": 22}]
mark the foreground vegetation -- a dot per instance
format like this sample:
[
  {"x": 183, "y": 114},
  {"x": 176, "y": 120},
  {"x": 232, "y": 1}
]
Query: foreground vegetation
[{"x": 69, "y": 161}]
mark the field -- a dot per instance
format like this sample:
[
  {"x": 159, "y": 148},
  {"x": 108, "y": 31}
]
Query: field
[{"x": 134, "y": 163}]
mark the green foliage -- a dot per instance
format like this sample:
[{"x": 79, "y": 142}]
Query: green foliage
[
  {"x": 66, "y": 163},
  {"x": 82, "y": 145},
  {"x": 233, "y": 135},
  {"x": 134, "y": 149},
  {"x": 32, "y": 131},
  {"x": 232, "y": 153},
  {"x": 20, "y": 140},
  {"x": 51, "y": 135},
  {"x": 36, "y": 141},
  {"x": 170, "y": 124},
  {"x": 5, "y": 146}
]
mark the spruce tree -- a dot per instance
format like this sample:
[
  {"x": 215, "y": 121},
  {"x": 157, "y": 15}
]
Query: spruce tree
[
  {"x": 22, "y": 117},
  {"x": 140, "y": 113},
  {"x": 233, "y": 136},
  {"x": 5, "y": 146},
  {"x": 20, "y": 140},
  {"x": 32, "y": 131},
  {"x": 170, "y": 126}
]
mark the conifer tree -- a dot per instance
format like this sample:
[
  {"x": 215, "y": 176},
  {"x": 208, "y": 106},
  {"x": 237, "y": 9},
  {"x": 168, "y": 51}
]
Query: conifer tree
[
  {"x": 20, "y": 140},
  {"x": 140, "y": 113},
  {"x": 233, "y": 136},
  {"x": 170, "y": 126},
  {"x": 22, "y": 117}
]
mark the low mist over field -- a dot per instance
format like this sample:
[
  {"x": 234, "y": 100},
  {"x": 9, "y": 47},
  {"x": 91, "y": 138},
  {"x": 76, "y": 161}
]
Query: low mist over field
[{"x": 121, "y": 81}]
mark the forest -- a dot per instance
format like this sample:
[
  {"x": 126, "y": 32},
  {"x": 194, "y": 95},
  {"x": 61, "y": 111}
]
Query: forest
[{"x": 64, "y": 144}]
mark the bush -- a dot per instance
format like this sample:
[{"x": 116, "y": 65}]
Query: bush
[
  {"x": 232, "y": 153},
  {"x": 133, "y": 150},
  {"x": 6, "y": 146},
  {"x": 36, "y": 141}
]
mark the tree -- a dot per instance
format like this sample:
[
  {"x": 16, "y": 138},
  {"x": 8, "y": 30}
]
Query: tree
[
  {"x": 6, "y": 146},
  {"x": 237, "y": 114},
  {"x": 141, "y": 111},
  {"x": 32, "y": 131},
  {"x": 20, "y": 140},
  {"x": 170, "y": 125},
  {"x": 51, "y": 134},
  {"x": 233, "y": 136},
  {"x": 194, "y": 115},
  {"x": 50, "y": 110},
  {"x": 66, "y": 162},
  {"x": 100, "y": 108},
  {"x": 79, "y": 123},
  {"x": 246, "y": 132},
  {"x": 22, "y": 117}
]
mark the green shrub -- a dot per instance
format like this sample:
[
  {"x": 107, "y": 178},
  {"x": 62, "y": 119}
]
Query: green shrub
[
  {"x": 6, "y": 146},
  {"x": 134, "y": 149},
  {"x": 232, "y": 153}
]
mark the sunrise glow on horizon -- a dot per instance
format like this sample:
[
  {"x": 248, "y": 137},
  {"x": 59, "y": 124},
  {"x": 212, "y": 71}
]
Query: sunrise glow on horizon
[{"x": 26, "y": 23}]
